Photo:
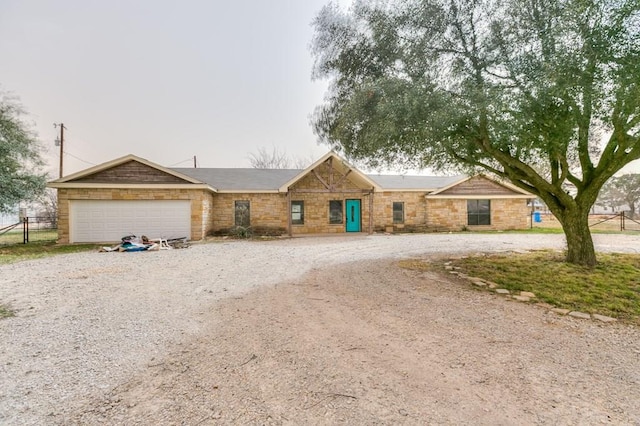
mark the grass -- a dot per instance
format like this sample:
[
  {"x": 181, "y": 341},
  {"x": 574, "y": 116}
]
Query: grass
[
  {"x": 5, "y": 312},
  {"x": 612, "y": 288},
  {"x": 16, "y": 236},
  {"x": 38, "y": 249}
]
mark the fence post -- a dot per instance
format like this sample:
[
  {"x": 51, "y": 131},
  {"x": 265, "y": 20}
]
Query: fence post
[{"x": 25, "y": 230}]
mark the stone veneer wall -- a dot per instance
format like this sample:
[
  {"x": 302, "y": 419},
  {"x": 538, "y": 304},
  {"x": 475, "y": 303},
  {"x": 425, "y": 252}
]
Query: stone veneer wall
[
  {"x": 449, "y": 214},
  {"x": 201, "y": 201},
  {"x": 267, "y": 212},
  {"x": 316, "y": 212},
  {"x": 415, "y": 211}
]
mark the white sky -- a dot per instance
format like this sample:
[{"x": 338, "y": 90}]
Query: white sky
[{"x": 164, "y": 80}]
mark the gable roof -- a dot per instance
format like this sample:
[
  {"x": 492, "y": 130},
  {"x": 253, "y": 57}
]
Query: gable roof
[
  {"x": 83, "y": 177},
  {"x": 241, "y": 180},
  {"x": 341, "y": 165},
  {"x": 245, "y": 180},
  {"x": 415, "y": 183},
  {"x": 464, "y": 189}
]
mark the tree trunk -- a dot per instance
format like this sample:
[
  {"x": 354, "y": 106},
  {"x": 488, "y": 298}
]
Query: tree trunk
[{"x": 580, "y": 249}]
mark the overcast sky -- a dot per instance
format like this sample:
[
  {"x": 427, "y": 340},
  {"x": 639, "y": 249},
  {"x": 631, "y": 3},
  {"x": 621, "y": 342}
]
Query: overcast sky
[{"x": 164, "y": 80}]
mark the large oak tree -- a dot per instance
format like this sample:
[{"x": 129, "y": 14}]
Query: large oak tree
[
  {"x": 20, "y": 160},
  {"x": 544, "y": 93}
]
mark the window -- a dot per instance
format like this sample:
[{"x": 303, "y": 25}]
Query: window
[
  {"x": 398, "y": 212},
  {"x": 335, "y": 211},
  {"x": 297, "y": 212},
  {"x": 479, "y": 212},
  {"x": 242, "y": 213}
]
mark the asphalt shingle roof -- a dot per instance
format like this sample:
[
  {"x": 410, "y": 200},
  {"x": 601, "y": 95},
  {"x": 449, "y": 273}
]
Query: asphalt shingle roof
[
  {"x": 227, "y": 179},
  {"x": 242, "y": 179},
  {"x": 414, "y": 182}
]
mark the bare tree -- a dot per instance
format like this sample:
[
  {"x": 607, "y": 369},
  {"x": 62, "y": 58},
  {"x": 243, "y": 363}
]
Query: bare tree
[
  {"x": 49, "y": 207},
  {"x": 276, "y": 159}
]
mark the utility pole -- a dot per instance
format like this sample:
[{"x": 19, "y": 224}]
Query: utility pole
[
  {"x": 195, "y": 164},
  {"x": 60, "y": 141}
]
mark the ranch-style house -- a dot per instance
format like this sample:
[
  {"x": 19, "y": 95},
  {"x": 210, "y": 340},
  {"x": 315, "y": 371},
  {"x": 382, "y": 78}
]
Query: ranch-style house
[{"x": 131, "y": 195}]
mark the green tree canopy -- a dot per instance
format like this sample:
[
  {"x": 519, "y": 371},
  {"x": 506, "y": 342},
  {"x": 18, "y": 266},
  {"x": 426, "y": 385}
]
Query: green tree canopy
[
  {"x": 524, "y": 89},
  {"x": 20, "y": 161},
  {"x": 621, "y": 191}
]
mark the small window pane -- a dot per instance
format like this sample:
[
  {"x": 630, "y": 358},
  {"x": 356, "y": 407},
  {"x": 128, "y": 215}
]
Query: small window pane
[
  {"x": 297, "y": 212},
  {"x": 242, "y": 213},
  {"x": 479, "y": 212},
  {"x": 335, "y": 211},
  {"x": 398, "y": 212}
]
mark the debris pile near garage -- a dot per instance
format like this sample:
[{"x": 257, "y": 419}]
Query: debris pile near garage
[{"x": 132, "y": 243}]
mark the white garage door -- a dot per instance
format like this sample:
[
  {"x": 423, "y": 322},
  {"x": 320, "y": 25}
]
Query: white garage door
[{"x": 110, "y": 220}]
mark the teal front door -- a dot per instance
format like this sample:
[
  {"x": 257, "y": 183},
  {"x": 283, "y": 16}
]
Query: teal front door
[{"x": 353, "y": 215}]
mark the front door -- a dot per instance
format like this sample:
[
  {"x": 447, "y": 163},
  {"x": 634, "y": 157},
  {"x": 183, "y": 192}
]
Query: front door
[{"x": 353, "y": 215}]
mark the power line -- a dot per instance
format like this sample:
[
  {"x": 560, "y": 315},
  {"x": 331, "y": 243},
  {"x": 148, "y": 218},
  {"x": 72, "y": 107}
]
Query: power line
[
  {"x": 183, "y": 161},
  {"x": 78, "y": 158}
]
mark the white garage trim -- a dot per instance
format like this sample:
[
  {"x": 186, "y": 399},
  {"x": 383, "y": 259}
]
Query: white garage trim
[{"x": 110, "y": 220}]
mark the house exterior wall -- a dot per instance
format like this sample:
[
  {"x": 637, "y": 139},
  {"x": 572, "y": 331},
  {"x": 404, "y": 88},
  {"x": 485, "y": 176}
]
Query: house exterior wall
[
  {"x": 316, "y": 212},
  {"x": 201, "y": 201},
  {"x": 415, "y": 211},
  {"x": 267, "y": 212},
  {"x": 477, "y": 185},
  {"x": 316, "y": 197},
  {"x": 131, "y": 172},
  {"x": 450, "y": 214}
]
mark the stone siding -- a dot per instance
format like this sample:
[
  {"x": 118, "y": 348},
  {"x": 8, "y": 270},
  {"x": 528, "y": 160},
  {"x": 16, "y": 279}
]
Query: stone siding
[
  {"x": 316, "y": 212},
  {"x": 449, "y": 214},
  {"x": 415, "y": 211},
  {"x": 316, "y": 197},
  {"x": 201, "y": 201},
  {"x": 267, "y": 212}
]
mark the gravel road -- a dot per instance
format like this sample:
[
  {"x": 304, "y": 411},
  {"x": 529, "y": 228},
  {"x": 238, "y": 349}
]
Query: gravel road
[{"x": 90, "y": 327}]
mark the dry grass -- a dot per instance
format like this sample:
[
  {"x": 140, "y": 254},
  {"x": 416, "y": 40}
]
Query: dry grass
[
  {"x": 38, "y": 249},
  {"x": 611, "y": 288}
]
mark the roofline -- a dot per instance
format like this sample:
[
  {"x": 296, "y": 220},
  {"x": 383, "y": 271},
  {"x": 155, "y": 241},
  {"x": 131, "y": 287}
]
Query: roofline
[
  {"x": 296, "y": 178},
  {"x": 501, "y": 183},
  {"x": 95, "y": 185},
  {"x": 451, "y": 185},
  {"x": 481, "y": 196},
  {"x": 248, "y": 191},
  {"x": 427, "y": 190},
  {"x": 122, "y": 160}
]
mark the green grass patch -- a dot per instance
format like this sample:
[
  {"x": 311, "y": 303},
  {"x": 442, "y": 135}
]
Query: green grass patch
[
  {"x": 5, "y": 312},
  {"x": 39, "y": 249},
  {"x": 612, "y": 288}
]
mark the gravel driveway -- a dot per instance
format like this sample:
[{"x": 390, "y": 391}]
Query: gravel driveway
[{"x": 91, "y": 330}]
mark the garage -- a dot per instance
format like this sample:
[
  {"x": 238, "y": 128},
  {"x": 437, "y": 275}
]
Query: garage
[{"x": 110, "y": 220}]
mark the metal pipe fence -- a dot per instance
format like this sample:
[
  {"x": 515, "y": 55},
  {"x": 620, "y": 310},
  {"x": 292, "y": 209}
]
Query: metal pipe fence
[
  {"x": 621, "y": 222},
  {"x": 29, "y": 229}
]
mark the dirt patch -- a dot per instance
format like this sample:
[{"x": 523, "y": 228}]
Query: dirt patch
[{"x": 371, "y": 343}]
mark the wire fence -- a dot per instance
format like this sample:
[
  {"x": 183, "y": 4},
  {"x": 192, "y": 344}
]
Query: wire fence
[
  {"x": 29, "y": 229},
  {"x": 621, "y": 222}
]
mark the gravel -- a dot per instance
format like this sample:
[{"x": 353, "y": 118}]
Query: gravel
[{"x": 86, "y": 323}]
